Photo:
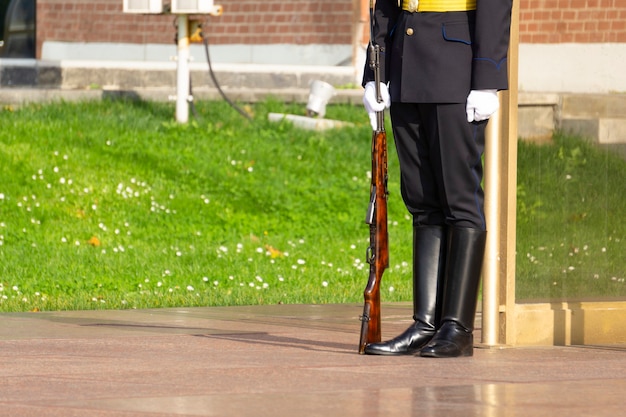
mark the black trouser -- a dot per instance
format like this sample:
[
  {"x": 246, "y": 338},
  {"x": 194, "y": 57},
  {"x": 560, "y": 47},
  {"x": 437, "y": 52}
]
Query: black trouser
[{"x": 440, "y": 163}]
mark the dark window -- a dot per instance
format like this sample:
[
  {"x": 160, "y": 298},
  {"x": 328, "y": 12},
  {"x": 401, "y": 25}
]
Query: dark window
[{"x": 17, "y": 28}]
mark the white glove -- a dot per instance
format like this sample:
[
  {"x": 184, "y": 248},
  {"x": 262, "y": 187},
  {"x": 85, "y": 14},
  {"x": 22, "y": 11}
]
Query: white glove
[
  {"x": 481, "y": 104},
  {"x": 371, "y": 104}
]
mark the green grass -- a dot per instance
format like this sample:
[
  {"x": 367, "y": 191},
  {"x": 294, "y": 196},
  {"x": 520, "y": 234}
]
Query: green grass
[
  {"x": 217, "y": 212},
  {"x": 113, "y": 205},
  {"x": 571, "y": 230}
]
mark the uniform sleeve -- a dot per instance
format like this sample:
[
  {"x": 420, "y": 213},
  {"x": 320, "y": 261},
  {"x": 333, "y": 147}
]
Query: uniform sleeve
[
  {"x": 491, "y": 44},
  {"x": 385, "y": 16}
]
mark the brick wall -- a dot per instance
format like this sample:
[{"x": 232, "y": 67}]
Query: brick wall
[
  {"x": 281, "y": 21},
  {"x": 243, "y": 22},
  {"x": 572, "y": 21},
  {"x": 98, "y": 21},
  {"x": 308, "y": 22}
]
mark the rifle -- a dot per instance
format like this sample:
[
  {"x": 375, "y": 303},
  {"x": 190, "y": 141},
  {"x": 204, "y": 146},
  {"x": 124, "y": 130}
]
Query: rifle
[{"x": 377, "y": 254}]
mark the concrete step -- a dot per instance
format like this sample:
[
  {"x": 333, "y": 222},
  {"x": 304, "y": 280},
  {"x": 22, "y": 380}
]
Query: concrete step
[
  {"x": 602, "y": 130},
  {"x": 133, "y": 75},
  {"x": 537, "y": 115},
  {"x": 593, "y": 106},
  {"x": 600, "y": 117}
]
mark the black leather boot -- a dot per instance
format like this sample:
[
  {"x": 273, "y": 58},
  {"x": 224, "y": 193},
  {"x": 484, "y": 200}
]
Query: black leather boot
[
  {"x": 466, "y": 248},
  {"x": 429, "y": 244}
]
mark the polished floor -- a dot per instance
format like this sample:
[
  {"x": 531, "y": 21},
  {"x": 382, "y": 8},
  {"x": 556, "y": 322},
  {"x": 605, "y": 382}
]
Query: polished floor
[{"x": 282, "y": 360}]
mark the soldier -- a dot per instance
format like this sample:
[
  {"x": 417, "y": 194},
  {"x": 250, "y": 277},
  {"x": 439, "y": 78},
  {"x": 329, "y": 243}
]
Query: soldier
[{"x": 442, "y": 63}]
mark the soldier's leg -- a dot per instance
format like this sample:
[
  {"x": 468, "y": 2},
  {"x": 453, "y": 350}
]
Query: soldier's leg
[{"x": 459, "y": 170}]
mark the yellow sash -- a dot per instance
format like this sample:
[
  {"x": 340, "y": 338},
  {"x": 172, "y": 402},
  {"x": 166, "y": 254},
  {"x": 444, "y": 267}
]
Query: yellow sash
[{"x": 438, "y": 5}]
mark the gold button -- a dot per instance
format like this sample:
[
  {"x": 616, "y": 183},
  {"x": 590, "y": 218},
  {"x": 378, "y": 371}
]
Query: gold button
[{"x": 409, "y": 31}]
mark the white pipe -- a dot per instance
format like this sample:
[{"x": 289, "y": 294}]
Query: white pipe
[{"x": 182, "y": 70}]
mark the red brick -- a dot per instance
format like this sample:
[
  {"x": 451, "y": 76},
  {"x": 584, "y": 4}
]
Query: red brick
[
  {"x": 539, "y": 38},
  {"x": 575, "y": 26},
  {"x": 597, "y": 37},
  {"x": 591, "y": 26},
  {"x": 582, "y": 37},
  {"x": 619, "y": 24},
  {"x": 578, "y": 4}
]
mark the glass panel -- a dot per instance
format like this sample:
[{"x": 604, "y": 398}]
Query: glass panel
[{"x": 571, "y": 230}]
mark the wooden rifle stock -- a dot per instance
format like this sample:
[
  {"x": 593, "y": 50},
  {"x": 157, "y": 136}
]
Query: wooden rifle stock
[{"x": 377, "y": 254}]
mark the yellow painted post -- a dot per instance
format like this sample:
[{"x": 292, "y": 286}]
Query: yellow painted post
[
  {"x": 491, "y": 263},
  {"x": 500, "y": 207}
]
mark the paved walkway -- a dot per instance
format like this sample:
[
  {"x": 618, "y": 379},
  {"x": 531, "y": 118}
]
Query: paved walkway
[{"x": 280, "y": 361}]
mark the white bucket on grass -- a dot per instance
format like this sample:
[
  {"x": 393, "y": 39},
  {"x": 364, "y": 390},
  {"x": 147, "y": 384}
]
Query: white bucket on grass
[{"x": 321, "y": 92}]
